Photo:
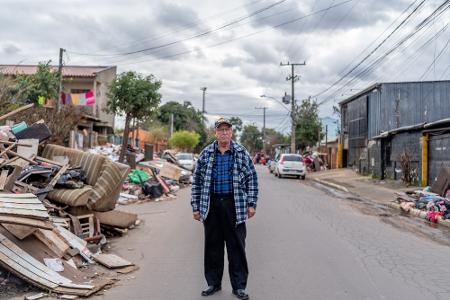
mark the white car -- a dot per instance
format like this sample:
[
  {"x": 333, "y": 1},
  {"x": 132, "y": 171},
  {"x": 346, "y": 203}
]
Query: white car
[
  {"x": 290, "y": 165},
  {"x": 186, "y": 160}
]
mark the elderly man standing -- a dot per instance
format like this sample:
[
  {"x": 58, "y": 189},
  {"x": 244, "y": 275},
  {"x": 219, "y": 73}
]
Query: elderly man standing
[{"x": 224, "y": 194}]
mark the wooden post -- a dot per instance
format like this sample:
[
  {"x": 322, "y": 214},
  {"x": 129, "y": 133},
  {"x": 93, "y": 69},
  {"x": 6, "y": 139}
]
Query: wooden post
[{"x": 425, "y": 159}]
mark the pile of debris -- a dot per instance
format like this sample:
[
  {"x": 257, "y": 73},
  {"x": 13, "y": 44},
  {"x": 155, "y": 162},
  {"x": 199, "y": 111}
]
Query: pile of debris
[
  {"x": 154, "y": 180},
  {"x": 434, "y": 201},
  {"x": 57, "y": 207}
]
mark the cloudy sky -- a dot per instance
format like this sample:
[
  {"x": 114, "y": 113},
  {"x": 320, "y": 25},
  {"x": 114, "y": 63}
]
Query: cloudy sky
[{"x": 235, "y": 47}]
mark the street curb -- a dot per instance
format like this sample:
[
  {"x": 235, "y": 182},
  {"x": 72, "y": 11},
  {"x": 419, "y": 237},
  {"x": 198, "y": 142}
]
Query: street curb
[
  {"x": 419, "y": 213},
  {"x": 332, "y": 185}
]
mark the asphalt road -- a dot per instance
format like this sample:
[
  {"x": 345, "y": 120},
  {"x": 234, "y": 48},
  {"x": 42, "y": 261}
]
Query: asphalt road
[{"x": 302, "y": 244}]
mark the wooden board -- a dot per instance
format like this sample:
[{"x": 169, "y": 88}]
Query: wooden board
[
  {"x": 25, "y": 266},
  {"x": 116, "y": 218},
  {"x": 53, "y": 241},
  {"x": 28, "y": 206},
  {"x": 25, "y": 221},
  {"x": 42, "y": 215},
  {"x": 29, "y": 151},
  {"x": 111, "y": 261},
  {"x": 171, "y": 171},
  {"x": 19, "y": 231},
  {"x": 3, "y": 177}
]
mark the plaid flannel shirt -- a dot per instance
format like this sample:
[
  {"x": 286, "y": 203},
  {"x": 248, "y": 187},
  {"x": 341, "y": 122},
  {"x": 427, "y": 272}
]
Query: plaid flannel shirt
[{"x": 245, "y": 181}]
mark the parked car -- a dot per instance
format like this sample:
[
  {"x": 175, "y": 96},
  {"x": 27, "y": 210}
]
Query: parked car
[
  {"x": 186, "y": 160},
  {"x": 290, "y": 165}
]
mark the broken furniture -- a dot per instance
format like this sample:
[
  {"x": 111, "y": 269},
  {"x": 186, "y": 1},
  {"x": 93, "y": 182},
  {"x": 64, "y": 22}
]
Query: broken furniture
[{"x": 104, "y": 179}]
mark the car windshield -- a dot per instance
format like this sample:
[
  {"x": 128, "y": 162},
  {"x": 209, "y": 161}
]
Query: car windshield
[
  {"x": 292, "y": 158},
  {"x": 185, "y": 156}
]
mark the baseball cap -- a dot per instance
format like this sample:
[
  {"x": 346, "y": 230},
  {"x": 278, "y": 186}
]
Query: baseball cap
[{"x": 222, "y": 120}]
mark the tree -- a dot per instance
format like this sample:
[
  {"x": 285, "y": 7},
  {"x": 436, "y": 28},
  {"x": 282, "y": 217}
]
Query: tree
[
  {"x": 251, "y": 138},
  {"x": 9, "y": 95},
  {"x": 274, "y": 137},
  {"x": 134, "y": 96},
  {"x": 185, "y": 117},
  {"x": 184, "y": 140},
  {"x": 237, "y": 124},
  {"x": 44, "y": 83},
  {"x": 308, "y": 124}
]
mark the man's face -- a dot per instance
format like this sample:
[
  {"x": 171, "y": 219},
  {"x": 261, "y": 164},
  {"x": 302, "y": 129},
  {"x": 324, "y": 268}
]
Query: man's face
[{"x": 224, "y": 133}]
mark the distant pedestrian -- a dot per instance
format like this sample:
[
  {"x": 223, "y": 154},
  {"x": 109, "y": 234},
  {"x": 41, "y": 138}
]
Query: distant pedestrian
[{"x": 224, "y": 194}]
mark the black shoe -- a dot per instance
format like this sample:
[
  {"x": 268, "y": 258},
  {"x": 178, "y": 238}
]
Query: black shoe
[
  {"x": 211, "y": 290},
  {"x": 241, "y": 294}
]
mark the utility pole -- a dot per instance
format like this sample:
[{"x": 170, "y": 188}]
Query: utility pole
[
  {"x": 60, "y": 78},
  {"x": 203, "y": 106},
  {"x": 293, "y": 78},
  {"x": 264, "y": 127}
]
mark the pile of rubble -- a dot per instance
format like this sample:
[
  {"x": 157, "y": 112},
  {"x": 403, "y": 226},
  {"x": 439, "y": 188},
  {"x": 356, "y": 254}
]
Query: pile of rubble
[
  {"x": 57, "y": 208},
  {"x": 432, "y": 203}
]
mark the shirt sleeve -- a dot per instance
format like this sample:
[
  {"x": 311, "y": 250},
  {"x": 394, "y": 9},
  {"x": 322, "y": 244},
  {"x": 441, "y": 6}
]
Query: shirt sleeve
[
  {"x": 252, "y": 184},
  {"x": 197, "y": 184}
]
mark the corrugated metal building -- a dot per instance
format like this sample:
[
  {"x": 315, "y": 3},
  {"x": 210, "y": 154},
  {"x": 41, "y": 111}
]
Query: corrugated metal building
[{"x": 388, "y": 119}]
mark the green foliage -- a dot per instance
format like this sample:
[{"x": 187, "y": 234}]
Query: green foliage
[
  {"x": 274, "y": 137},
  {"x": 134, "y": 94},
  {"x": 237, "y": 124},
  {"x": 8, "y": 95},
  {"x": 185, "y": 117},
  {"x": 45, "y": 82},
  {"x": 184, "y": 140},
  {"x": 308, "y": 124},
  {"x": 159, "y": 131},
  {"x": 251, "y": 138}
]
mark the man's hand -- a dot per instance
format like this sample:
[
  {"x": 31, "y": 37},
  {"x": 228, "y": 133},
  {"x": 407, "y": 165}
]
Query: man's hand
[
  {"x": 197, "y": 215},
  {"x": 251, "y": 211}
]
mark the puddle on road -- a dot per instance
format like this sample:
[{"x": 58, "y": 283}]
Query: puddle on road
[{"x": 393, "y": 217}]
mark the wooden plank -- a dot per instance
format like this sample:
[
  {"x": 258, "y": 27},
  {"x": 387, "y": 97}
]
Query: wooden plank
[
  {"x": 19, "y": 231},
  {"x": 111, "y": 261},
  {"x": 25, "y": 221},
  {"x": 29, "y": 206},
  {"x": 20, "y": 109},
  {"x": 14, "y": 252},
  {"x": 24, "y": 273},
  {"x": 31, "y": 161},
  {"x": 25, "y": 212},
  {"x": 18, "y": 144},
  {"x": 59, "y": 174},
  {"x": 75, "y": 242},
  {"x": 3, "y": 177},
  {"x": 53, "y": 241},
  {"x": 21, "y": 200},
  {"x": 4, "y": 151},
  {"x": 10, "y": 195},
  {"x": 12, "y": 178},
  {"x": 52, "y": 162},
  {"x": 29, "y": 152}
]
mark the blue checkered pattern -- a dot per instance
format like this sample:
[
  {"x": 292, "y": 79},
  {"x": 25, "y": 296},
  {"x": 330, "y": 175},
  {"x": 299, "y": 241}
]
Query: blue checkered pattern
[
  {"x": 245, "y": 181},
  {"x": 223, "y": 173}
]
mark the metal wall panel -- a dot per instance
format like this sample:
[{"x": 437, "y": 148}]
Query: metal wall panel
[
  {"x": 395, "y": 105},
  {"x": 439, "y": 155}
]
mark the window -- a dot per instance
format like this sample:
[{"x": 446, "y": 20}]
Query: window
[
  {"x": 79, "y": 91},
  {"x": 292, "y": 158}
]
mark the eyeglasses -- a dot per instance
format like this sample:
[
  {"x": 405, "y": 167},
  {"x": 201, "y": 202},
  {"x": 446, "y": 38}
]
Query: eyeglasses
[{"x": 224, "y": 130}]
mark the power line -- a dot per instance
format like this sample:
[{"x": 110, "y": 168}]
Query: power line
[
  {"x": 435, "y": 59},
  {"x": 436, "y": 13},
  {"x": 185, "y": 39},
  {"x": 374, "y": 50},
  {"x": 242, "y": 36}
]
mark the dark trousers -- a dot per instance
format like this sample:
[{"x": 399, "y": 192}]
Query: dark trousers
[{"x": 221, "y": 230}]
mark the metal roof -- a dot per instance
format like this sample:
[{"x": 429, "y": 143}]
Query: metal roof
[{"x": 68, "y": 71}]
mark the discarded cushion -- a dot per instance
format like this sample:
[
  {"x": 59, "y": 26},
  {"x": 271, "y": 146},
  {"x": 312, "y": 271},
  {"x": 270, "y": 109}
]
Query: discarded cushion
[
  {"x": 72, "y": 197},
  {"x": 109, "y": 184},
  {"x": 91, "y": 163}
]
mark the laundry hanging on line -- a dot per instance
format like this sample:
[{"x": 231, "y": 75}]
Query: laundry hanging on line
[{"x": 78, "y": 99}]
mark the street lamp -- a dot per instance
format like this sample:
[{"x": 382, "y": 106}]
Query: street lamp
[{"x": 273, "y": 98}]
